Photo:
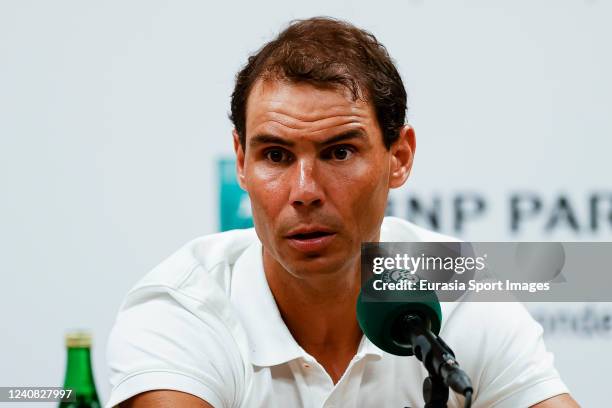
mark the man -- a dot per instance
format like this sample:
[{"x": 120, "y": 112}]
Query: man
[{"x": 266, "y": 317}]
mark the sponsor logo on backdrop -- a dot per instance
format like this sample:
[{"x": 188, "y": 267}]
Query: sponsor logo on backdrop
[
  {"x": 525, "y": 213},
  {"x": 587, "y": 214},
  {"x": 234, "y": 203}
]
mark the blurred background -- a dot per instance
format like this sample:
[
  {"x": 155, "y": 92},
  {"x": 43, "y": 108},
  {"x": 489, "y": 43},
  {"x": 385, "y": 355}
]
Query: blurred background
[{"x": 115, "y": 148}]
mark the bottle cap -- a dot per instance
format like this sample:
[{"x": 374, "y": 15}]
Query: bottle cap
[{"x": 75, "y": 339}]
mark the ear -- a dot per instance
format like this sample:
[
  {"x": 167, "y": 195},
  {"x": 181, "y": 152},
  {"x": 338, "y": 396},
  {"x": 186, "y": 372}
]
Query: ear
[
  {"x": 402, "y": 156},
  {"x": 239, "y": 150}
]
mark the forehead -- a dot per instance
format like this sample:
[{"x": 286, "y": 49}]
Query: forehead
[{"x": 303, "y": 106}]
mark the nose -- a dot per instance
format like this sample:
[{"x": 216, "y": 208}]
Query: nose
[{"x": 306, "y": 190}]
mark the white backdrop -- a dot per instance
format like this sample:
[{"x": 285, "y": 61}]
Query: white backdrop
[{"x": 113, "y": 115}]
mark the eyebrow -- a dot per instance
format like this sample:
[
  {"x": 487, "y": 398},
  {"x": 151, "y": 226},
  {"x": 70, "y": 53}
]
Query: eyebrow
[{"x": 271, "y": 139}]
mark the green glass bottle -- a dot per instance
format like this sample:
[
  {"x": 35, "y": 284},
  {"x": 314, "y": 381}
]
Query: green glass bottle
[{"x": 79, "y": 375}]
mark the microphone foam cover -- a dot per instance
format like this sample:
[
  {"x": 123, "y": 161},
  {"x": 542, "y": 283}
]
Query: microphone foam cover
[{"x": 379, "y": 311}]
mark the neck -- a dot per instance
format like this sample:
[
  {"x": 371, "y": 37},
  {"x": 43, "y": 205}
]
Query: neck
[{"x": 320, "y": 312}]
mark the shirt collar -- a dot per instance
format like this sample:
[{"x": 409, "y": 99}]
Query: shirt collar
[
  {"x": 270, "y": 342},
  {"x": 367, "y": 348}
]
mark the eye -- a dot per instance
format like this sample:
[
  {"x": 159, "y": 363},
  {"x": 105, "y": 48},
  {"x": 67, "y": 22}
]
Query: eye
[
  {"x": 339, "y": 153},
  {"x": 277, "y": 155}
]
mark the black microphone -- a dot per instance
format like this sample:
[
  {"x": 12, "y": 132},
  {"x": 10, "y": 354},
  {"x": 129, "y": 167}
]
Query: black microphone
[{"x": 407, "y": 322}]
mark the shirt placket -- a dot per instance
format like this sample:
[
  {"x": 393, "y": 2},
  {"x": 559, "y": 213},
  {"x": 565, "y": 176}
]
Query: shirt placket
[
  {"x": 318, "y": 382},
  {"x": 346, "y": 392}
]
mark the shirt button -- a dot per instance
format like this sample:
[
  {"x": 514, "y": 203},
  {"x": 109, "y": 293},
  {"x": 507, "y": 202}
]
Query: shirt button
[{"x": 306, "y": 365}]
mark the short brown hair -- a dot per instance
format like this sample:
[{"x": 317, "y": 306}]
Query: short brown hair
[{"x": 324, "y": 51}]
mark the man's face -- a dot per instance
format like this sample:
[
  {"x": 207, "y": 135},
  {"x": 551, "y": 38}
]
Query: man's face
[{"x": 318, "y": 174}]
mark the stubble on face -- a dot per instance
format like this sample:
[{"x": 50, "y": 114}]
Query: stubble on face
[{"x": 338, "y": 187}]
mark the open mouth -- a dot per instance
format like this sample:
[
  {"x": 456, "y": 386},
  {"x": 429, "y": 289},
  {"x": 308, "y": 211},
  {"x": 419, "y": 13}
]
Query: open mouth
[
  {"x": 311, "y": 241},
  {"x": 310, "y": 235}
]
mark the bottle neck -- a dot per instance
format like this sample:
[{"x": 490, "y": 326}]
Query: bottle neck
[{"x": 79, "y": 375}]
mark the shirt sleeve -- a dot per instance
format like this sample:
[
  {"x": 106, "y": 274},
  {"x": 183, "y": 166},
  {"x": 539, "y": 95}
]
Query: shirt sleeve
[
  {"x": 508, "y": 364},
  {"x": 166, "y": 340}
]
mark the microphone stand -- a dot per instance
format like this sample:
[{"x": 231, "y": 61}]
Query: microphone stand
[
  {"x": 435, "y": 392},
  {"x": 436, "y": 356}
]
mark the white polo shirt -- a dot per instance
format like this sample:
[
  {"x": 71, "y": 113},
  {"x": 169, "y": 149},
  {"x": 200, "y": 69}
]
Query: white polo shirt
[{"x": 205, "y": 322}]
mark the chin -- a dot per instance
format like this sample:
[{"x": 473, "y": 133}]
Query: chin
[{"x": 316, "y": 265}]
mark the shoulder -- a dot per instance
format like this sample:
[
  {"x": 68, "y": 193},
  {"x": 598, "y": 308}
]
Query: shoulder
[
  {"x": 498, "y": 344},
  {"x": 202, "y": 256},
  {"x": 177, "y": 330},
  {"x": 501, "y": 347}
]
